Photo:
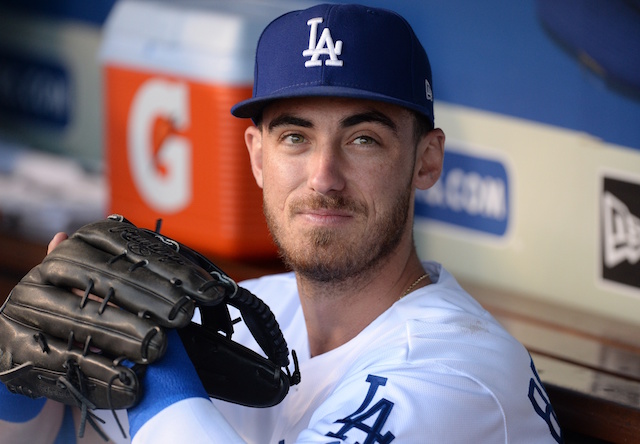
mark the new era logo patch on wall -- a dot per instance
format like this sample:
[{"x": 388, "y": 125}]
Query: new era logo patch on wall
[{"x": 620, "y": 230}]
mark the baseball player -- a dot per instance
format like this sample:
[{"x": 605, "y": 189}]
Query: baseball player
[{"x": 389, "y": 348}]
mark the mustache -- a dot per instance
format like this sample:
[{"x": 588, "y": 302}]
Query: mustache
[{"x": 322, "y": 202}]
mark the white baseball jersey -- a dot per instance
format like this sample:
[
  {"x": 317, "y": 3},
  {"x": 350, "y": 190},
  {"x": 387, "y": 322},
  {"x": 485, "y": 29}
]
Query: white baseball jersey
[{"x": 435, "y": 367}]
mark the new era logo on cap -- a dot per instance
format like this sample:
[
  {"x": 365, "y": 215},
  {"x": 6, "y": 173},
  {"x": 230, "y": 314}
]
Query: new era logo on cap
[{"x": 340, "y": 51}]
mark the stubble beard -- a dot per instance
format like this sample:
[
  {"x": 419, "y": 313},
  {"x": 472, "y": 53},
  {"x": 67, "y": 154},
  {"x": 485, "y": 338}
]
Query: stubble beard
[{"x": 328, "y": 255}]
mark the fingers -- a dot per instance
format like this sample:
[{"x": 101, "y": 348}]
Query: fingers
[{"x": 59, "y": 237}]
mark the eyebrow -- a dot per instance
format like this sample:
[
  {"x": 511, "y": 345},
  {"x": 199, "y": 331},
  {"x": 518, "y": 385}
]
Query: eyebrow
[
  {"x": 288, "y": 119},
  {"x": 369, "y": 116},
  {"x": 353, "y": 120}
]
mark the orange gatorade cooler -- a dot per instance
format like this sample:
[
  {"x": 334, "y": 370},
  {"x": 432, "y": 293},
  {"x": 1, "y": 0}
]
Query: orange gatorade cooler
[{"x": 172, "y": 71}]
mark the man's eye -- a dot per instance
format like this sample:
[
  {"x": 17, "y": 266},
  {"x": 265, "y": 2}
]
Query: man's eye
[
  {"x": 364, "y": 140},
  {"x": 293, "y": 138}
]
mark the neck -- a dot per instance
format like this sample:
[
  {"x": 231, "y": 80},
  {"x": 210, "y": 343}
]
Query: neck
[{"x": 337, "y": 312}]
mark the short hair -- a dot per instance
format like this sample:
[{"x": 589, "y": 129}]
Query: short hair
[{"x": 421, "y": 126}]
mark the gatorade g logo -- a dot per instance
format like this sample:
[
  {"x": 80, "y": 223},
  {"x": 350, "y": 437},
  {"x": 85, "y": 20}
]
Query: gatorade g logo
[
  {"x": 160, "y": 158},
  {"x": 174, "y": 152}
]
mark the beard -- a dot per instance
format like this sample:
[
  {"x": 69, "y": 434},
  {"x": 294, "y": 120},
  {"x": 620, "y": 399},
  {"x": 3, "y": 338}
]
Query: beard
[{"x": 330, "y": 255}]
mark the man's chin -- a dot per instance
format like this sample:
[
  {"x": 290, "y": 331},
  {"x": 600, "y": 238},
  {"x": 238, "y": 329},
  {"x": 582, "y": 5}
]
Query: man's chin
[
  {"x": 322, "y": 272},
  {"x": 323, "y": 263}
]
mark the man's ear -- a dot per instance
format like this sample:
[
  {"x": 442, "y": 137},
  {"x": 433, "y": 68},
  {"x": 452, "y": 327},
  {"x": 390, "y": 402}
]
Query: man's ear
[
  {"x": 429, "y": 158},
  {"x": 253, "y": 140}
]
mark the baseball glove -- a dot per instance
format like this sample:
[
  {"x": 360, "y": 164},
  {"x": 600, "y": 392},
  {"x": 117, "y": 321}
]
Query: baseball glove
[{"x": 81, "y": 326}]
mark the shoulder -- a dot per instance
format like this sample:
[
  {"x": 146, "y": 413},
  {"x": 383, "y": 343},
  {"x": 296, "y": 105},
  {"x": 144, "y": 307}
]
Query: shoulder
[
  {"x": 444, "y": 325},
  {"x": 439, "y": 351}
]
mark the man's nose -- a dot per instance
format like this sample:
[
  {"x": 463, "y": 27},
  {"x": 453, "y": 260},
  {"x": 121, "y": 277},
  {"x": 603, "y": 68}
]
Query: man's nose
[{"x": 326, "y": 169}]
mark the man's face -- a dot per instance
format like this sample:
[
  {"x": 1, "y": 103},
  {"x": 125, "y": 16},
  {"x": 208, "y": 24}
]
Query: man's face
[{"x": 337, "y": 176}]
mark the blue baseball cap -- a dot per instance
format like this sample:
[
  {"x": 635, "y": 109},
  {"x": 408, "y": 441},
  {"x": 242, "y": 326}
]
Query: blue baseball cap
[{"x": 336, "y": 50}]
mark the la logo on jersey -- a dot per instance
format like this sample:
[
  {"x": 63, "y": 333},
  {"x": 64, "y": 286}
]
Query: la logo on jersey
[{"x": 324, "y": 46}]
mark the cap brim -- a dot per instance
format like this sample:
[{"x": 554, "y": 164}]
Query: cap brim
[{"x": 252, "y": 108}]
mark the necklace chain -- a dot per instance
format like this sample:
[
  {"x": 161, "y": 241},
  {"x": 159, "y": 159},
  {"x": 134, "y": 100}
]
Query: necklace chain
[{"x": 412, "y": 286}]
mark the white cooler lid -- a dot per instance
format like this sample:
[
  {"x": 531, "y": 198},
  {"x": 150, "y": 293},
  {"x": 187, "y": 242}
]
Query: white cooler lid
[{"x": 212, "y": 40}]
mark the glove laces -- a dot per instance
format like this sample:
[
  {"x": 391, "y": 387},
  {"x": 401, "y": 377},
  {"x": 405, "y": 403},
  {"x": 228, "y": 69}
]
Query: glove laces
[{"x": 74, "y": 382}]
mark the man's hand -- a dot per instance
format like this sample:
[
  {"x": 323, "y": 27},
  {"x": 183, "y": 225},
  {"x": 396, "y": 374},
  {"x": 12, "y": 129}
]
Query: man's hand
[
  {"x": 82, "y": 327},
  {"x": 55, "y": 241}
]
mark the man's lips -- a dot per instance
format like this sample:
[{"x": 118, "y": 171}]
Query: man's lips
[
  {"x": 327, "y": 209},
  {"x": 325, "y": 216}
]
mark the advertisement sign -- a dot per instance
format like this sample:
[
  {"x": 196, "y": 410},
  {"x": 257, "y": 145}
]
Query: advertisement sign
[
  {"x": 173, "y": 150},
  {"x": 536, "y": 210},
  {"x": 175, "y": 153},
  {"x": 473, "y": 193},
  {"x": 620, "y": 230}
]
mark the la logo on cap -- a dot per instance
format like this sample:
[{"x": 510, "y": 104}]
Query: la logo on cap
[{"x": 324, "y": 46}]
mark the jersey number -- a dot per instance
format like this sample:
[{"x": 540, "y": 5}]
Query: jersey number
[{"x": 542, "y": 406}]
